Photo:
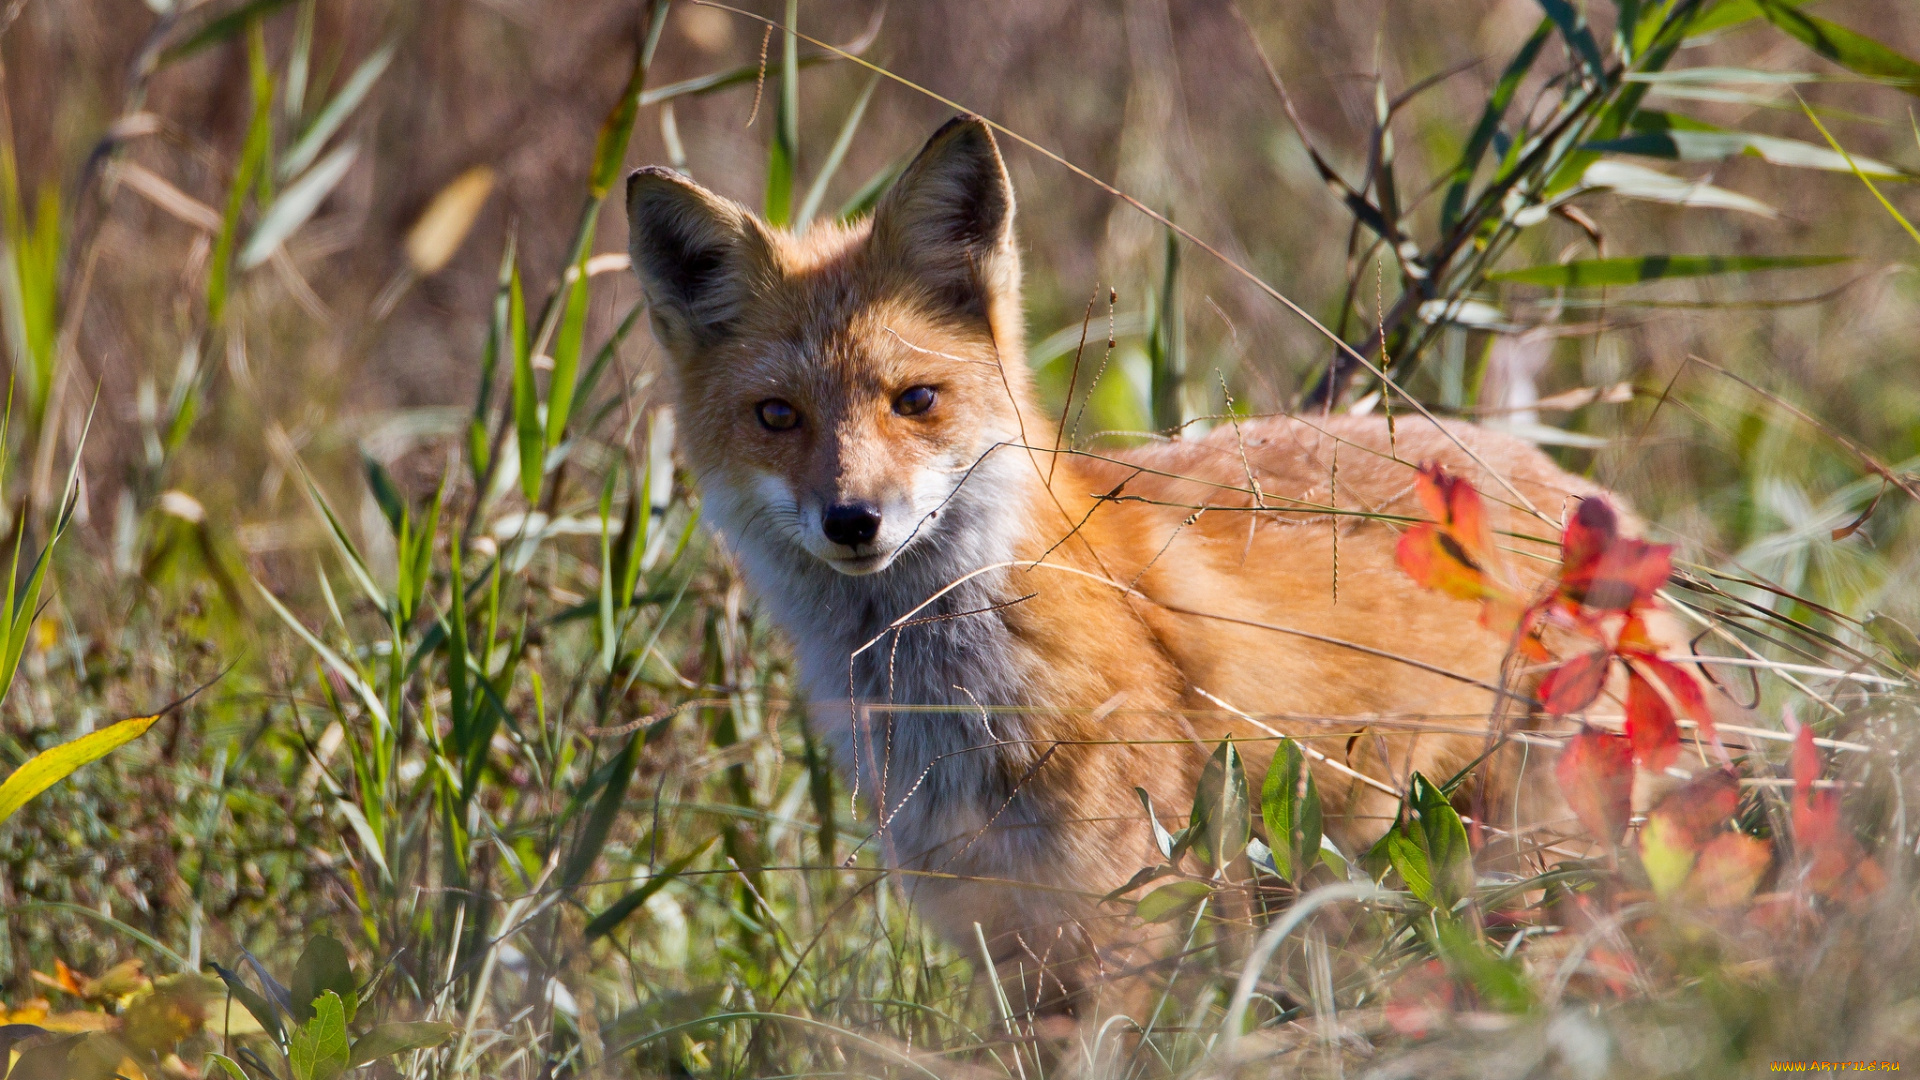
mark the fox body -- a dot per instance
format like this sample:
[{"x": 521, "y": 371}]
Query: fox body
[{"x": 1001, "y": 640}]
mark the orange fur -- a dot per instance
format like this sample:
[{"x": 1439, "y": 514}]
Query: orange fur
[{"x": 1066, "y": 623}]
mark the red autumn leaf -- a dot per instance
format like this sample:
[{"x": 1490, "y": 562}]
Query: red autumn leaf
[
  {"x": 1454, "y": 553},
  {"x": 1729, "y": 870},
  {"x": 1603, "y": 570},
  {"x": 1816, "y": 814},
  {"x": 1681, "y": 824},
  {"x": 1435, "y": 560},
  {"x": 1596, "y": 776},
  {"x": 1701, "y": 807},
  {"x": 1683, "y": 686},
  {"x": 1573, "y": 685},
  {"x": 1650, "y": 725}
]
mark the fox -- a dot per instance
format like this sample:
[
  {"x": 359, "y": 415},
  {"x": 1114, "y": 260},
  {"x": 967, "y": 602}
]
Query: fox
[{"x": 1001, "y": 638}]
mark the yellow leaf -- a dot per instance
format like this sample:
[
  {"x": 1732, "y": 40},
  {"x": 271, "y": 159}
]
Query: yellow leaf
[
  {"x": 49, "y": 767},
  {"x": 437, "y": 235}
]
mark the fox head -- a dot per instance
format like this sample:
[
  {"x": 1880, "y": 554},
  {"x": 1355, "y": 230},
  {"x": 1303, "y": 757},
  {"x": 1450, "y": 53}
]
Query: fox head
[{"x": 837, "y": 390}]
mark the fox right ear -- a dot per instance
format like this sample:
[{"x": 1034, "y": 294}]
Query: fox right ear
[{"x": 697, "y": 255}]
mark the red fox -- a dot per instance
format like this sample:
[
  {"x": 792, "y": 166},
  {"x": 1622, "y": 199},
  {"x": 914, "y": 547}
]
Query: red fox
[{"x": 1001, "y": 638}]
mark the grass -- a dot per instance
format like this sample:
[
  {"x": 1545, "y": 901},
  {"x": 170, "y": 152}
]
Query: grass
[{"x": 488, "y": 707}]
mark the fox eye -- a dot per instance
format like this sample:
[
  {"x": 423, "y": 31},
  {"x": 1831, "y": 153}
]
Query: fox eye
[
  {"x": 777, "y": 415},
  {"x": 913, "y": 401}
]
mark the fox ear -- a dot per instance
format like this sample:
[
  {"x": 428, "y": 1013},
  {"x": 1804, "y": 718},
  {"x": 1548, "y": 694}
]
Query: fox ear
[
  {"x": 950, "y": 218},
  {"x": 698, "y": 256}
]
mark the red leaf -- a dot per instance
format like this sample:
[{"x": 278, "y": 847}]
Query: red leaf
[
  {"x": 1816, "y": 814},
  {"x": 1650, "y": 725},
  {"x": 1681, "y": 824},
  {"x": 1729, "y": 869},
  {"x": 1685, "y": 690},
  {"x": 1701, "y": 807},
  {"x": 1590, "y": 532},
  {"x": 1434, "y": 560},
  {"x": 1596, "y": 776},
  {"x": 1573, "y": 685},
  {"x": 1604, "y": 571}
]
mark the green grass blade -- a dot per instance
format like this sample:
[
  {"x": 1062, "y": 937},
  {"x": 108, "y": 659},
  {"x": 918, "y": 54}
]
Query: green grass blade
[
  {"x": 218, "y": 29},
  {"x": 1857, "y": 171},
  {"x": 1679, "y": 138},
  {"x": 307, "y": 147},
  {"x": 864, "y": 200},
  {"x": 841, "y": 144},
  {"x": 566, "y": 355},
  {"x": 610, "y": 147},
  {"x": 783, "y": 154},
  {"x": 526, "y": 403},
  {"x": 333, "y": 660},
  {"x": 593, "y": 836},
  {"x": 604, "y": 358},
  {"x": 1631, "y": 270},
  {"x": 1482, "y": 137},
  {"x": 479, "y": 452},
  {"x": 1572, "y": 24},
  {"x": 253, "y": 161},
  {"x": 607, "y": 573},
  {"x": 605, "y": 922},
  {"x": 295, "y": 205},
  {"x": 49, "y": 767},
  {"x": 356, "y": 564},
  {"x": 1851, "y": 50}
]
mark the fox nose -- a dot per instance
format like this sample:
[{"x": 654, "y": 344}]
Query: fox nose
[{"x": 850, "y": 524}]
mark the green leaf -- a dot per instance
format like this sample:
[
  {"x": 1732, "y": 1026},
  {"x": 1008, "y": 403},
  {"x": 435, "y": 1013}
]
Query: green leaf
[
  {"x": 1851, "y": 50},
  {"x": 1725, "y": 14},
  {"x": 323, "y": 969},
  {"x": 593, "y": 836},
  {"x": 251, "y": 1000},
  {"x": 254, "y": 155},
  {"x": 1629, "y": 270},
  {"x": 229, "y": 1066},
  {"x": 1631, "y": 181},
  {"x": 49, "y": 767},
  {"x": 1407, "y": 856},
  {"x": 1290, "y": 807},
  {"x": 1677, "y": 138},
  {"x": 1499, "y": 982},
  {"x": 604, "y": 923},
  {"x": 1893, "y": 636},
  {"x": 1449, "y": 859},
  {"x": 610, "y": 147},
  {"x": 1171, "y": 900},
  {"x": 1222, "y": 813},
  {"x": 387, "y": 1040},
  {"x": 526, "y": 401},
  {"x": 358, "y": 86},
  {"x": 216, "y": 30},
  {"x": 295, "y": 205},
  {"x": 1573, "y": 26},
  {"x": 319, "y": 1051},
  {"x": 566, "y": 355},
  {"x": 1482, "y": 137},
  {"x": 1170, "y": 844}
]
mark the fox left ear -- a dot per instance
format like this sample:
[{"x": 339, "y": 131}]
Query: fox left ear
[{"x": 950, "y": 219}]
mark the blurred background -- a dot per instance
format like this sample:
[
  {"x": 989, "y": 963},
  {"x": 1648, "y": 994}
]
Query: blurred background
[{"x": 253, "y": 241}]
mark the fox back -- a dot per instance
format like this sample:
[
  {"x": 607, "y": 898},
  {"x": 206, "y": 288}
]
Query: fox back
[{"x": 1002, "y": 640}]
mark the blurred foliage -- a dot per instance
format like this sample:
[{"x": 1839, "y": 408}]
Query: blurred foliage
[{"x": 380, "y": 431}]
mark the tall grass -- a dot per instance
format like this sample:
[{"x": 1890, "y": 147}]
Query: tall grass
[{"x": 511, "y": 729}]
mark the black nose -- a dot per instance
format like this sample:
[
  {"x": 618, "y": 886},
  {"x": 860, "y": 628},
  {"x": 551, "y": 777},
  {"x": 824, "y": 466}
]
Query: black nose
[{"x": 851, "y": 524}]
